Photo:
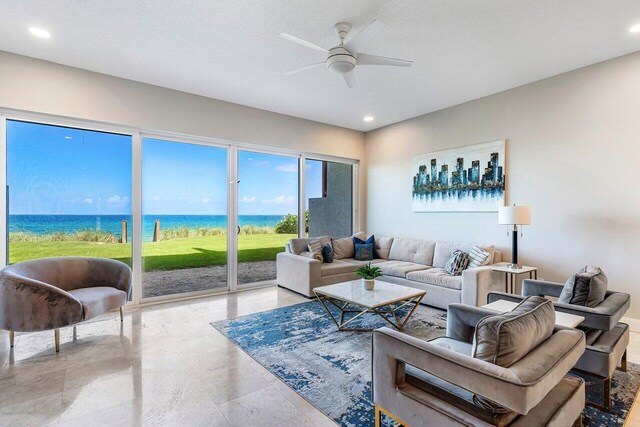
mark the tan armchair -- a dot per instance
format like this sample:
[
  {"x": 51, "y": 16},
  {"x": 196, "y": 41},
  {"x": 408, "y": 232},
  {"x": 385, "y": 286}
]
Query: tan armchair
[
  {"x": 51, "y": 293},
  {"x": 438, "y": 382}
]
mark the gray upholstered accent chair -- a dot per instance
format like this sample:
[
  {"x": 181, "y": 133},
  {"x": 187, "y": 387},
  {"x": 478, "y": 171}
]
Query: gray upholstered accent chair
[
  {"x": 439, "y": 383},
  {"x": 607, "y": 339},
  {"x": 51, "y": 293}
]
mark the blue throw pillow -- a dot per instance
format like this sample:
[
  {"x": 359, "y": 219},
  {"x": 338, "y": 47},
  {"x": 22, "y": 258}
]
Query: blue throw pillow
[
  {"x": 363, "y": 251},
  {"x": 327, "y": 253},
  {"x": 372, "y": 240}
]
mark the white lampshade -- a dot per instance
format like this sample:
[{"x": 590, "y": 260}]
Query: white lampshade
[{"x": 514, "y": 215}]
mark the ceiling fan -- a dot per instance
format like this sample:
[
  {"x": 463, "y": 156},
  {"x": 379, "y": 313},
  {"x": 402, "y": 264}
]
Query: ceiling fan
[{"x": 344, "y": 57}]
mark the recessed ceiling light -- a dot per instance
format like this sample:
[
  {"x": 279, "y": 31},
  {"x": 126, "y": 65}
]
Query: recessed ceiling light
[
  {"x": 368, "y": 118},
  {"x": 39, "y": 32},
  {"x": 67, "y": 137},
  {"x": 635, "y": 29}
]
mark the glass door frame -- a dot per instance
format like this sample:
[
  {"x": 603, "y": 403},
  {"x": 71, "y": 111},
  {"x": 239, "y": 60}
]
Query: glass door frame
[
  {"x": 138, "y": 231},
  {"x": 274, "y": 152},
  {"x": 137, "y": 134}
]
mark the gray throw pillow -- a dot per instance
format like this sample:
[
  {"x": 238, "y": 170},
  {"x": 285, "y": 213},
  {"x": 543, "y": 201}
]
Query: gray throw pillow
[
  {"x": 506, "y": 338},
  {"x": 315, "y": 245},
  {"x": 586, "y": 288}
]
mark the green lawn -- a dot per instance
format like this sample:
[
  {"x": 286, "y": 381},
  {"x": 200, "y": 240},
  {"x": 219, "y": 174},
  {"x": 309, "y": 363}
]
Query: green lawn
[{"x": 165, "y": 255}]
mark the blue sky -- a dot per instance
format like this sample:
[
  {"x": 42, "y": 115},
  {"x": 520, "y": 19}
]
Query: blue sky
[{"x": 57, "y": 170}]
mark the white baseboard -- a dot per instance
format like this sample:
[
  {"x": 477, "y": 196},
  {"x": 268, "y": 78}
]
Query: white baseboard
[{"x": 634, "y": 324}]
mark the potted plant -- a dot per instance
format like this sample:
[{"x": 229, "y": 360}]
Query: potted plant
[{"x": 368, "y": 275}]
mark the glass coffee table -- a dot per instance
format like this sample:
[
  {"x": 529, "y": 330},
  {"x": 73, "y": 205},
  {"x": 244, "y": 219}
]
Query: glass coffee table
[{"x": 387, "y": 300}]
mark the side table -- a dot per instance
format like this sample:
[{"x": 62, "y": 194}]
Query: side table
[{"x": 510, "y": 274}]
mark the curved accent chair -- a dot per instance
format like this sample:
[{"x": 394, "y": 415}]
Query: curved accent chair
[{"x": 50, "y": 293}]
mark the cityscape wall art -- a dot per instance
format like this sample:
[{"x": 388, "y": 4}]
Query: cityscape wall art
[{"x": 466, "y": 179}]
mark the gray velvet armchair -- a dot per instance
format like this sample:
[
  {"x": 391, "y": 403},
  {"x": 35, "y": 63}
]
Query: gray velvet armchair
[
  {"x": 433, "y": 383},
  {"x": 607, "y": 339},
  {"x": 51, "y": 293}
]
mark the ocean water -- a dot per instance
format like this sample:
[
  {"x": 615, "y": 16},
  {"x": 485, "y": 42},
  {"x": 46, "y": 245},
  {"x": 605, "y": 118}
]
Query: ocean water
[{"x": 46, "y": 224}]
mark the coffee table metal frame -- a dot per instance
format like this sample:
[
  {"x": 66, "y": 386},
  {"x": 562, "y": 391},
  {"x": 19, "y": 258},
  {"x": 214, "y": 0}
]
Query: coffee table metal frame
[{"x": 387, "y": 314}]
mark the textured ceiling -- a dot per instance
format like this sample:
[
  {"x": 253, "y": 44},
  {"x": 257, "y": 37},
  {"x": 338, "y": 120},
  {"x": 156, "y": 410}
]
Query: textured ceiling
[{"x": 230, "y": 50}]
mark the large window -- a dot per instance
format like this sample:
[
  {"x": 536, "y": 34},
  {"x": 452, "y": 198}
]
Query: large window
[
  {"x": 198, "y": 216},
  {"x": 68, "y": 192}
]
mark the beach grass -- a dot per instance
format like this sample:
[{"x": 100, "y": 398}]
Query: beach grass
[{"x": 174, "y": 253}]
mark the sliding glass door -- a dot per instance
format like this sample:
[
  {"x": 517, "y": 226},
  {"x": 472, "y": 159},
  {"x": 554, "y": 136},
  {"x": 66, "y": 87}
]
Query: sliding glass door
[
  {"x": 68, "y": 192},
  {"x": 184, "y": 218},
  {"x": 267, "y": 212}
]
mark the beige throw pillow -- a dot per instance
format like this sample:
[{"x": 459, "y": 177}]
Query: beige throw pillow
[{"x": 342, "y": 248}]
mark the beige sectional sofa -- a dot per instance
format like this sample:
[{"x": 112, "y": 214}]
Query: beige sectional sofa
[{"x": 410, "y": 262}]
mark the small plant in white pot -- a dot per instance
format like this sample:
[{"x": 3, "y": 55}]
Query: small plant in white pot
[{"x": 368, "y": 275}]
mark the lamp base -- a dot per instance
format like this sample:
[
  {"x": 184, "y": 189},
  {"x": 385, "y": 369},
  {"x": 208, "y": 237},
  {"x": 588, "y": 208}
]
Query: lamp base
[{"x": 514, "y": 266}]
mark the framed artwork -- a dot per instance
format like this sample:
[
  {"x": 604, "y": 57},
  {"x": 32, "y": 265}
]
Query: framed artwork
[{"x": 465, "y": 179}]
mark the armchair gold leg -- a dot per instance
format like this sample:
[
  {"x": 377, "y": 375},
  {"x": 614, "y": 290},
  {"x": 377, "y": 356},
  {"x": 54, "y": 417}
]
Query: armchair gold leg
[
  {"x": 11, "y": 338},
  {"x": 578, "y": 422},
  {"x": 121, "y": 315},
  {"x": 378, "y": 417},
  {"x": 56, "y": 334},
  {"x": 623, "y": 362}
]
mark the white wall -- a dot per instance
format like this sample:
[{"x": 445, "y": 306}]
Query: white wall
[
  {"x": 573, "y": 155},
  {"x": 38, "y": 86}
]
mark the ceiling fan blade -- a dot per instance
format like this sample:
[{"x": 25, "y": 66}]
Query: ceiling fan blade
[
  {"x": 366, "y": 59},
  {"x": 350, "y": 79},
  {"x": 305, "y": 68},
  {"x": 303, "y": 42},
  {"x": 363, "y": 37}
]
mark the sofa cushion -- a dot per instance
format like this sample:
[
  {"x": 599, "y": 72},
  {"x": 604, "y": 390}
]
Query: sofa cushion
[
  {"x": 444, "y": 249},
  {"x": 98, "y": 300},
  {"x": 587, "y": 288},
  {"x": 383, "y": 246},
  {"x": 360, "y": 263},
  {"x": 436, "y": 276},
  {"x": 461, "y": 347},
  {"x": 399, "y": 268},
  {"x": 412, "y": 250},
  {"x": 505, "y": 338},
  {"x": 338, "y": 267}
]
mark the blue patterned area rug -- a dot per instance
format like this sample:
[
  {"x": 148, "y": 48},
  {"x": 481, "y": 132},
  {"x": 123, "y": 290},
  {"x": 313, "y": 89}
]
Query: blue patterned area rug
[{"x": 332, "y": 370}]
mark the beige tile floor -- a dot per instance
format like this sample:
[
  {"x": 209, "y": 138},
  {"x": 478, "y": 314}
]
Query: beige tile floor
[{"x": 165, "y": 366}]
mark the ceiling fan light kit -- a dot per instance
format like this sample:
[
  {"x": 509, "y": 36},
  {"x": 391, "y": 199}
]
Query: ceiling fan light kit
[{"x": 344, "y": 58}]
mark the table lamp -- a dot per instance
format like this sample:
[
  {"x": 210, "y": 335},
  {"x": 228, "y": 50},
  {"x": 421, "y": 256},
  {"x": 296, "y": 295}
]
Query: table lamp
[{"x": 514, "y": 215}]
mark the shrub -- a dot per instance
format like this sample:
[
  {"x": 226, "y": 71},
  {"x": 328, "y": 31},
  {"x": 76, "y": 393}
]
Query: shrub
[{"x": 288, "y": 225}]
